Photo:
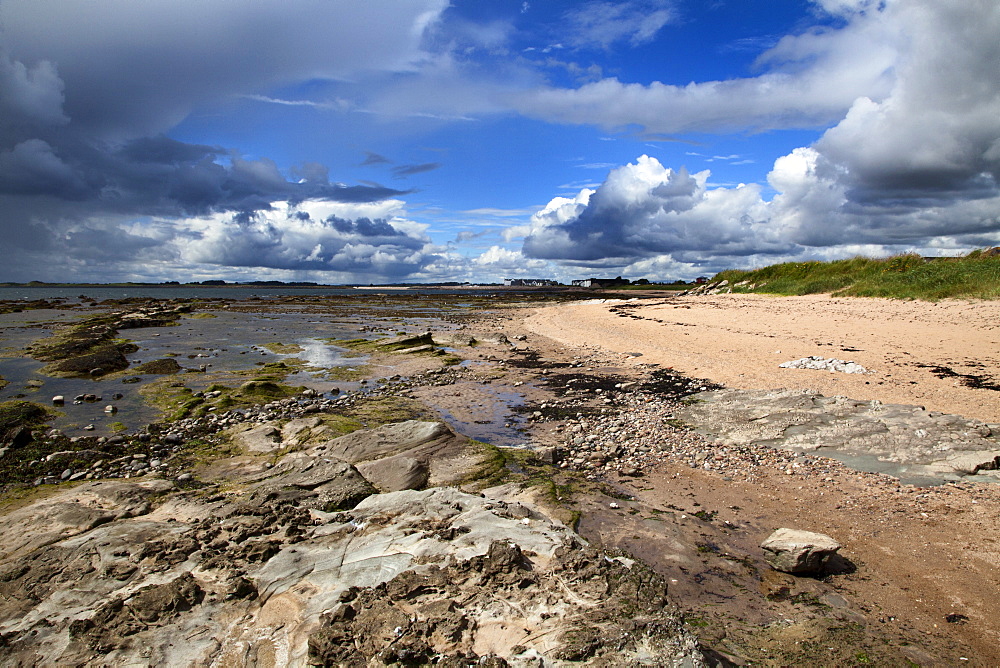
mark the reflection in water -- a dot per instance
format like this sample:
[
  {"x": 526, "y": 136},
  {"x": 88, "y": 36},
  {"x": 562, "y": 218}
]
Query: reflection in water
[
  {"x": 318, "y": 353},
  {"x": 229, "y": 344}
]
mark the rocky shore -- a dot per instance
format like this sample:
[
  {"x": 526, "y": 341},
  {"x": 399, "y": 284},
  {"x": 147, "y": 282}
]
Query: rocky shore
[{"x": 358, "y": 528}]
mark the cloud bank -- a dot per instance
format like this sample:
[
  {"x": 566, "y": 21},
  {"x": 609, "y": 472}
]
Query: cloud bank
[
  {"x": 903, "y": 94},
  {"x": 88, "y": 91},
  {"x": 917, "y": 169}
]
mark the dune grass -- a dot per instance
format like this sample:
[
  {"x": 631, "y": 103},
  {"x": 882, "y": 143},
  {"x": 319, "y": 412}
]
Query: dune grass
[{"x": 974, "y": 276}]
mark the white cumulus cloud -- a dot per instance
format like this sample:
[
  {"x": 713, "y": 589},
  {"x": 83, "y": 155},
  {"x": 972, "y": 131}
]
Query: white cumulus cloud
[{"x": 918, "y": 169}]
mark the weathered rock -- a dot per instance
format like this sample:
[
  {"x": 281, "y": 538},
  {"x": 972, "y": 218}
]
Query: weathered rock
[
  {"x": 798, "y": 552},
  {"x": 819, "y": 363},
  {"x": 924, "y": 442},
  {"x": 325, "y": 484},
  {"x": 75, "y": 511},
  {"x": 416, "y": 349},
  {"x": 455, "y": 339},
  {"x": 299, "y": 427},
  {"x": 387, "y": 440},
  {"x": 394, "y": 474},
  {"x": 408, "y": 341},
  {"x": 166, "y": 365},
  {"x": 262, "y": 439},
  {"x": 970, "y": 463},
  {"x": 263, "y": 582}
]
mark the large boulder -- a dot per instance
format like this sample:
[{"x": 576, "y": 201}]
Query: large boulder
[
  {"x": 798, "y": 552},
  {"x": 394, "y": 474},
  {"x": 390, "y": 439}
]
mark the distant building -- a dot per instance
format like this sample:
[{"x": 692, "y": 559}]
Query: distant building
[
  {"x": 601, "y": 282},
  {"x": 529, "y": 282}
]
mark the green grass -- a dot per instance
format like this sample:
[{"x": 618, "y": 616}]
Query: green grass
[{"x": 974, "y": 276}]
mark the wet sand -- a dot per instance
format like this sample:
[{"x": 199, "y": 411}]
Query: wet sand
[{"x": 918, "y": 353}]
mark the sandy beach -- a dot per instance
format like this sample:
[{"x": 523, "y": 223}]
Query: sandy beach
[
  {"x": 911, "y": 349},
  {"x": 922, "y": 554}
]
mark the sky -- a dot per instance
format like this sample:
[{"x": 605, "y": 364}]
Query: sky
[{"x": 423, "y": 141}]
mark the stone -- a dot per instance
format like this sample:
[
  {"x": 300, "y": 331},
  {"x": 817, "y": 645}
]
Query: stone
[
  {"x": 58, "y": 400},
  {"x": 265, "y": 438},
  {"x": 915, "y": 441},
  {"x": 416, "y": 349},
  {"x": 295, "y": 428},
  {"x": 409, "y": 341},
  {"x": 971, "y": 463},
  {"x": 322, "y": 484},
  {"x": 387, "y": 440},
  {"x": 798, "y": 552},
  {"x": 395, "y": 474}
]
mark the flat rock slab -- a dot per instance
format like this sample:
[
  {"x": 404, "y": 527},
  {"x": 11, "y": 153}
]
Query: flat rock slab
[
  {"x": 303, "y": 426},
  {"x": 405, "y": 455},
  {"x": 394, "y": 474},
  {"x": 931, "y": 442},
  {"x": 263, "y": 439},
  {"x": 321, "y": 483},
  {"x": 73, "y": 511},
  {"x": 426, "y": 348}
]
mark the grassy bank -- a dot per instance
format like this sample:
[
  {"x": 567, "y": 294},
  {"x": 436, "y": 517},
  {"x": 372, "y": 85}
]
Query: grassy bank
[{"x": 974, "y": 276}]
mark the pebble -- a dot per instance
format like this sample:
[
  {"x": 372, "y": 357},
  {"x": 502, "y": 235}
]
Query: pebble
[{"x": 642, "y": 434}]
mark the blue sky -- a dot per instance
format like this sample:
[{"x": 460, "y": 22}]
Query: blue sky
[{"x": 422, "y": 140}]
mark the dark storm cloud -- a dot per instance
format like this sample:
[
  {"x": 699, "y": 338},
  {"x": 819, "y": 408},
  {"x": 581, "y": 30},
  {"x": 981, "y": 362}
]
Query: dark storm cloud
[
  {"x": 87, "y": 93},
  {"x": 364, "y": 227},
  {"x": 138, "y": 68},
  {"x": 161, "y": 176}
]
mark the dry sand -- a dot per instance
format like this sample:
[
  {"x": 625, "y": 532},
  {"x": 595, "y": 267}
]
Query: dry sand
[{"x": 739, "y": 341}]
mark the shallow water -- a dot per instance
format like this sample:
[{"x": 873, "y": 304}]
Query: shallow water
[
  {"x": 908, "y": 475},
  {"x": 227, "y": 343},
  {"x": 494, "y": 412}
]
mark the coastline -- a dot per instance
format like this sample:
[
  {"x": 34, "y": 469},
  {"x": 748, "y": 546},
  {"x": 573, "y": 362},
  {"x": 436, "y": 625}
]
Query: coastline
[
  {"x": 918, "y": 555},
  {"x": 603, "y": 445},
  {"x": 910, "y": 348}
]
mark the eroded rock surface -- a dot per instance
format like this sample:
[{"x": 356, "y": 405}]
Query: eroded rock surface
[
  {"x": 286, "y": 559},
  {"x": 928, "y": 442}
]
